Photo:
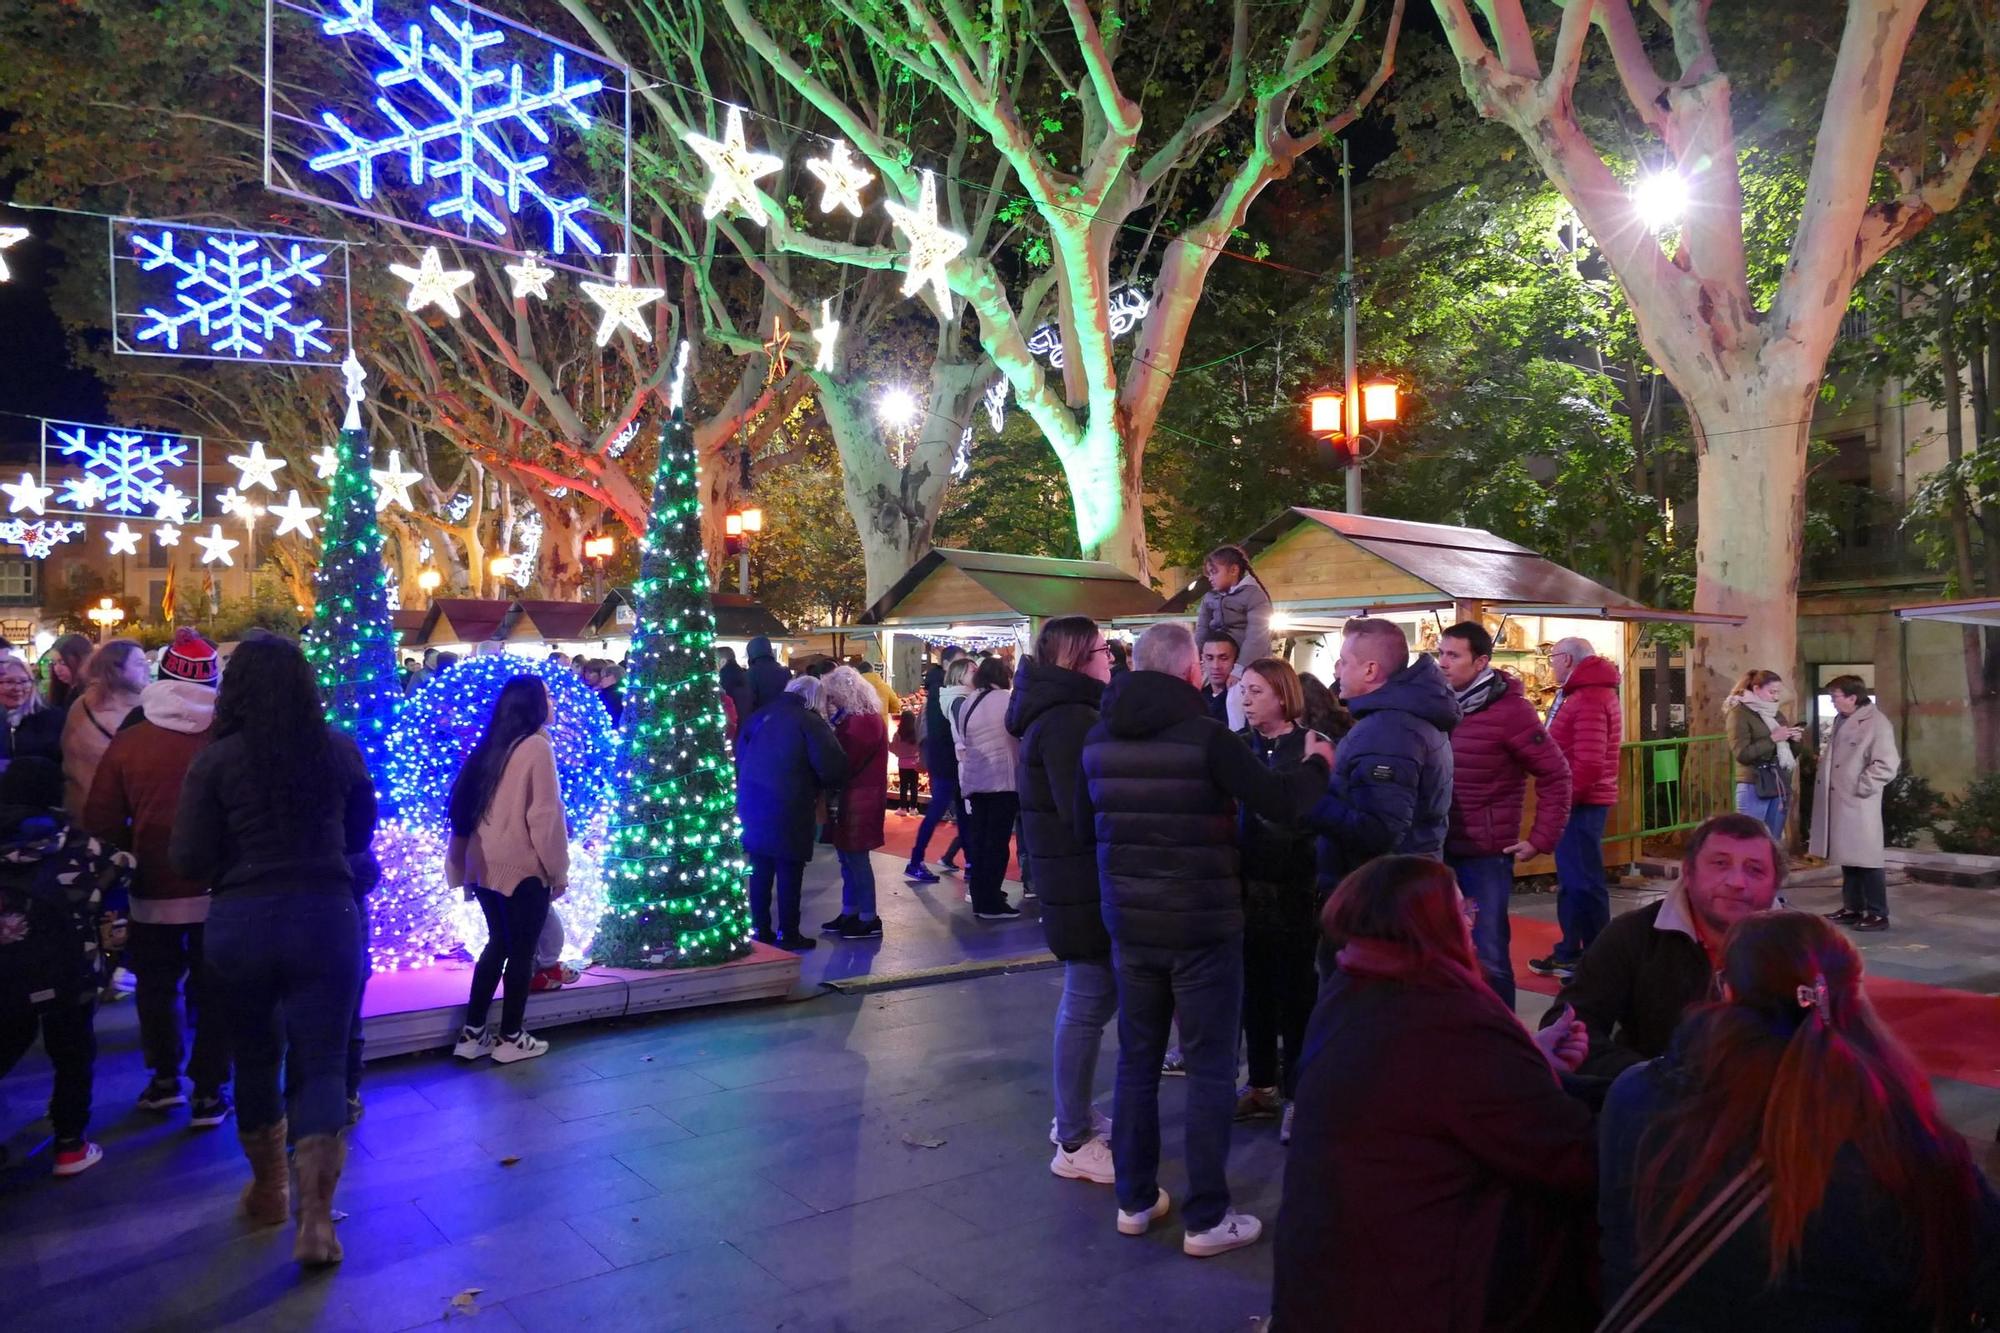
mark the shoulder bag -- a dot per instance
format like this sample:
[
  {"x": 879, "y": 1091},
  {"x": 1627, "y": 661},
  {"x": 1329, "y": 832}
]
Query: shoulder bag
[{"x": 1688, "y": 1249}]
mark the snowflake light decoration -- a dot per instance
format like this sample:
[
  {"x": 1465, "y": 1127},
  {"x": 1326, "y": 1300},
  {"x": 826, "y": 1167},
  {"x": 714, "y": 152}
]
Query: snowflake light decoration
[
  {"x": 227, "y": 295},
  {"x": 1128, "y": 305},
  {"x": 996, "y": 405},
  {"x": 457, "y": 507},
  {"x": 36, "y": 537},
  {"x": 136, "y": 472},
  {"x": 83, "y": 492},
  {"x": 525, "y": 560},
  {"x": 476, "y": 140}
]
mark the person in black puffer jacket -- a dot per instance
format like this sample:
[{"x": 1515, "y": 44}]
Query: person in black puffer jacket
[
  {"x": 1054, "y": 706},
  {"x": 1160, "y": 778},
  {"x": 767, "y": 678},
  {"x": 1391, "y": 788},
  {"x": 1280, "y": 925}
]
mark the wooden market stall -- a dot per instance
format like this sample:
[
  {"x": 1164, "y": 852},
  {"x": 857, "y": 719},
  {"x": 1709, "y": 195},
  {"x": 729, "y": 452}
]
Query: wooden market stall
[
  {"x": 980, "y": 599},
  {"x": 1323, "y": 568},
  {"x": 738, "y": 619},
  {"x": 461, "y": 624}
]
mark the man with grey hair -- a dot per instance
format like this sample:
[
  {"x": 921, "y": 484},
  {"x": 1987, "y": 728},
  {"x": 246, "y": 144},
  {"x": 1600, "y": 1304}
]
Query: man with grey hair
[
  {"x": 1587, "y": 725},
  {"x": 1391, "y": 787},
  {"x": 1157, "y": 796}
]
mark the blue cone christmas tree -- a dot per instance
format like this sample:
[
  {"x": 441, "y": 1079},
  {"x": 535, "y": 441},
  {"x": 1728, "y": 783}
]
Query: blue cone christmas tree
[
  {"x": 351, "y": 643},
  {"x": 673, "y": 873}
]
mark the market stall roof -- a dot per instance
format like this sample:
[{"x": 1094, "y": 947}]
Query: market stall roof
[
  {"x": 736, "y": 617},
  {"x": 553, "y": 621},
  {"x": 1324, "y": 566},
  {"x": 948, "y": 587},
  {"x": 409, "y": 627},
  {"x": 1970, "y": 611},
  {"x": 465, "y": 620}
]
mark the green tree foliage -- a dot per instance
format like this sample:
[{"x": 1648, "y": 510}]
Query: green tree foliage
[{"x": 806, "y": 567}]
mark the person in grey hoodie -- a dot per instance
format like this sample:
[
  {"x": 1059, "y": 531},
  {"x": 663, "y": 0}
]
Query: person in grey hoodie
[{"x": 1236, "y": 605}]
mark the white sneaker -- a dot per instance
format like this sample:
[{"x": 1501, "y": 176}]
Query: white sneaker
[
  {"x": 1135, "y": 1224},
  {"x": 525, "y": 1045},
  {"x": 1091, "y": 1162},
  {"x": 1285, "y": 1125},
  {"x": 1233, "y": 1232},
  {"x": 473, "y": 1043},
  {"x": 1100, "y": 1126}
]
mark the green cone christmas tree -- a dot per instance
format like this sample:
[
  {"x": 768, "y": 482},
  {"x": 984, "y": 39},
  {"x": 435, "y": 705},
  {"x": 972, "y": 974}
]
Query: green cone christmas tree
[
  {"x": 673, "y": 872},
  {"x": 351, "y": 643}
]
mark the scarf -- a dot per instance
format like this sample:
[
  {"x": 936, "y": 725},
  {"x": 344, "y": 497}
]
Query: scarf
[
  {"x": 1768, "y": 710},
  {"x": 1399, "y": 962},
  {"x": 1474, "y": 696}
]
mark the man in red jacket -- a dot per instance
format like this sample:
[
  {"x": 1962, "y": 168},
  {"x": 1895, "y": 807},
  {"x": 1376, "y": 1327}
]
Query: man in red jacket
[
  {"x": 1498, "y": 746},
  {"x": 1587, "y": 722}
]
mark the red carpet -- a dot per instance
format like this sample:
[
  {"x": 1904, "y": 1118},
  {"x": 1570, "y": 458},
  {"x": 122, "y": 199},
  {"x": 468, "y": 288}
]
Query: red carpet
[{"x": 1952, "y": 1033}]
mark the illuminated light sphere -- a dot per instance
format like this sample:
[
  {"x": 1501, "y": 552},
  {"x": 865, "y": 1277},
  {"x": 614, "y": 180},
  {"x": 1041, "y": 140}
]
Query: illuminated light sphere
[
  {"x": 1660, "y": 199},
  {"x": 441, "y": 722},
  {"x": 898, "y": 408},
  {"x": 432, "y": 284},
  {"x": 736, "y": 170},
  {"x": 932, "y": 246},
  {"x": 621, "y": 302}
]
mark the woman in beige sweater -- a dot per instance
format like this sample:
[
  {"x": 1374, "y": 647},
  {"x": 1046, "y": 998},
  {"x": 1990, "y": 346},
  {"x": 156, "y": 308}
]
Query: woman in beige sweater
[
  {"x": 112, "y": 678},
  {"x": 510, "y": 851}
]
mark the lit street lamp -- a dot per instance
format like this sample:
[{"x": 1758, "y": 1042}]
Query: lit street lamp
[
  {"x": 598, "y": 549},
  {"x": 737, "y": 530},
  {"x": 1660, "y": 199},
  {"x": 1328, "y": 416},
  {"x": 428, "y": 580},
  {"x": 104, "y": 615},
  {"x": 501, "y": 567}
]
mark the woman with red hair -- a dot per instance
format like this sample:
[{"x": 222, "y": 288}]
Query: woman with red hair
[
  {"x": 1783, "y": 1164},
  {"x": 1439, "y": 1180}
]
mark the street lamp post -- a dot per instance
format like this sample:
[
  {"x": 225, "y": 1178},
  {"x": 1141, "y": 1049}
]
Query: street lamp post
[
  {"x": 737, "y": 529},
  {"x": 104, "y": 615},
  {"x": 428, "y": 580},
  {"x": 598, "y": 549},
  {"x": 1341, "y": 420},
  {"x": 501, "y": 567}
]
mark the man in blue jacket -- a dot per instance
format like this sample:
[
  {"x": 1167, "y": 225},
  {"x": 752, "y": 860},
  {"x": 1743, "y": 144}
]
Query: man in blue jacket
[{"x": 1391, "y": 786}]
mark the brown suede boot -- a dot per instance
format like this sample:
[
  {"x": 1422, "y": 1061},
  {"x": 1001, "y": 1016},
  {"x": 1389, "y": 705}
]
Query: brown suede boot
[
  {"x": 320, "y": 1158},
  {"x": 267, "y": 1199}
]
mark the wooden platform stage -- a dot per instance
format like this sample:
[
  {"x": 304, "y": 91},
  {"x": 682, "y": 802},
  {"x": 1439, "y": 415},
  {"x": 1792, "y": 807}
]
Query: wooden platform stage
[{"x": 421, "y": 1009}]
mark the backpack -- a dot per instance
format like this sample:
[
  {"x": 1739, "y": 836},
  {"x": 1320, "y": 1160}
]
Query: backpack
[{"x": 47, "y": 952}]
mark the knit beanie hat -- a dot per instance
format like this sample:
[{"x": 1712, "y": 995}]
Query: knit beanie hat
[{"x": 191, "y": 658}]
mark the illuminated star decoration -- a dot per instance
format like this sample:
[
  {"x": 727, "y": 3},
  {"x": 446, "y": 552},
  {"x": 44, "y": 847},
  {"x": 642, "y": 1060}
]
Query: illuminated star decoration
[
  {"x": 736, "y": 170},
  {"x": 167, "y": 535},
  {"x": 122, "y": 540},
  {"x": 325, "y": 463},
  {"x": 826, "y": 335},
  {"x": 392, "y": 483},
  {"x": 842, "y": 177},
  {"x": 931, "y": 246},
  {"x": 294, "y": 517},
  {"x": 36, "y": 537},
  {"x": 215, "y": 547},
  {"x": 256, "y": 468},
  {"x": 431, "y": 283},
  {"x": 10, "y": 236},
  {"x": 531, "y": 276},
  {"x": 775, "y": 347},
  {"x": 27, "y": 493},
  {"x": 621, "y": 302},
  {"x": 84, "y": 492},
  {"x": 232, "y": 503},
  {"x": 171, "y": 506}
]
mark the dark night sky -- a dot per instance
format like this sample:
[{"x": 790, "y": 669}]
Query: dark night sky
[{"x": 36, "y": 375}]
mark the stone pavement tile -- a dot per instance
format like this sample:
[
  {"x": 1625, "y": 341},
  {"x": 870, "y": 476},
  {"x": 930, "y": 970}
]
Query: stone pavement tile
[
  {"x": 808, "y": 1099},
  {"x": 1013, "y": 1193},
  {"x": 1067, "y": 1253},
  {"x": 1174, "y": 1294},
  {"x": 674, "y": 1291},
  {"x": 696, "y": 1163},
  {"x": 635, "y": 1127},
  {"x": 618, "y": 1094},
  {"x": 890, "y": 1299},
  {"x": 579, "y": 1183},
  {"x": 849, "y": 1241},
  {"x": 868, "y": 1160},
  {"x": 407, "y": 1135},
  {"x": 666, "y": 1045},
  {"x": 473, "y": 1082},
  {"x": 383, "y": 1101},
  {"x": 630, "y": 1233},
  {"x": 814, "y": 1060}
]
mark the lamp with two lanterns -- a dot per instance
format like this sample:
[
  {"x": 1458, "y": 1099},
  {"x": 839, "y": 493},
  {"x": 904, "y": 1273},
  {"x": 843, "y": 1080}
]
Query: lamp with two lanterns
[
  {"x": 1343, "y": 421},
  {"x": 737, "y": 530}
]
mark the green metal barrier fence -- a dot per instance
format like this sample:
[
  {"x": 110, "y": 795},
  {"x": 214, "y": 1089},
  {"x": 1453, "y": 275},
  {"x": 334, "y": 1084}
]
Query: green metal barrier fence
[{"x": 1671, "y": 786}]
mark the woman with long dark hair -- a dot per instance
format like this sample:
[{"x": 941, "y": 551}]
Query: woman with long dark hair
[
  {"x": 1787, "y": 1130},
  {"x": 1439, "y": 1178},
  {"x": 510, "y": 852},
  {"x": 269, "y": 815}
]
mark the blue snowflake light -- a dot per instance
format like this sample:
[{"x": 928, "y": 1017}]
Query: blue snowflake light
[
  {"x": 125, "y": 473},
  {"x": 441, "y": 722},
  {"x": 481, "y": 140},
  {"x": 227, "y": 295}
]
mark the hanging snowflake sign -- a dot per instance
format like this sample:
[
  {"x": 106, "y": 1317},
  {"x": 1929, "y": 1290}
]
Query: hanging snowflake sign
[
  {"x": 111, "y": 472},
  {"x": 476, "y": 123},
  {"x": 36, "y": 537},
  {"x": 180, "y": 290}
]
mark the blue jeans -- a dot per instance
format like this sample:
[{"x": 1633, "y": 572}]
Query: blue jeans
[
  {"x": 944, "y": 799},
  {"x": 857, "y": 884},
  {"x": 1771, "y": 809},
  {"x": 789, "y": 876},
  {"x": 1089, "y": 1001},
  {"x": 1488, "y": 881},
  {"x": 287, "y": 967},
  {"x": 1204, "y": 988},
  {"x": 1583, "y": 903}
]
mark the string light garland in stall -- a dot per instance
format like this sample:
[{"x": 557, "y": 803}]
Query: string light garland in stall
[{"x": 674, "y": 868}]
